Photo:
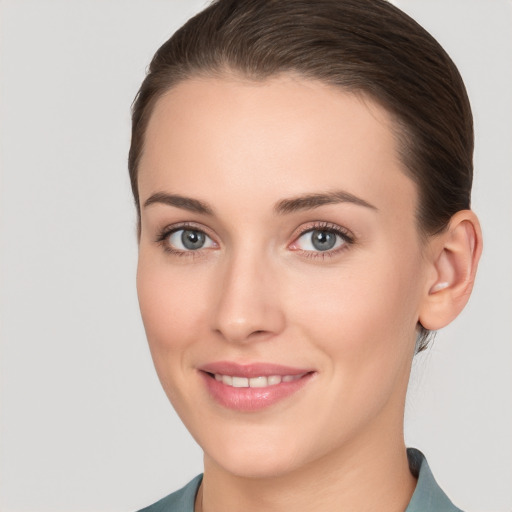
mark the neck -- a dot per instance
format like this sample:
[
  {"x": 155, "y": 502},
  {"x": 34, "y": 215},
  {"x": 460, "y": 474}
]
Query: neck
[{"x": 363, "y": 476}]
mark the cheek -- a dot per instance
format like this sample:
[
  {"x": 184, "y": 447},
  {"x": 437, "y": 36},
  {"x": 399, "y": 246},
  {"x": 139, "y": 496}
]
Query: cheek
[
  {"x": 364, "y": 316},
  {"x": 359, "y": 303},
  {"x": 172, "y": 312},
  {"x": 170, "y": 297}
]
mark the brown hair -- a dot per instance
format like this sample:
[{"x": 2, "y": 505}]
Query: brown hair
[{"x": 365, "y": 46}]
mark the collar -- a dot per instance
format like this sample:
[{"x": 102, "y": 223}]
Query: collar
[{"x": 428, "y": 496}]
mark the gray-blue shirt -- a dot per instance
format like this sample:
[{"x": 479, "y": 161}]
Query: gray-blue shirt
[{"x": 427, "y": 497}]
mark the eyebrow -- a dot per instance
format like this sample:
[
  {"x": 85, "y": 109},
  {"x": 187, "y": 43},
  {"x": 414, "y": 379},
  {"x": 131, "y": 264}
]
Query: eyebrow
[
  {"x": 285, "y": 206},
  {"x": 186, "y": 203},
  {"x": 310, "y": 201}
]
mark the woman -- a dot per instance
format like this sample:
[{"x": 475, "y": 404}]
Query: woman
[{"x": 302, "y": 174}]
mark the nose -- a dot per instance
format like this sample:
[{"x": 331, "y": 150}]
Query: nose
[{"x": 248, "y": 306}]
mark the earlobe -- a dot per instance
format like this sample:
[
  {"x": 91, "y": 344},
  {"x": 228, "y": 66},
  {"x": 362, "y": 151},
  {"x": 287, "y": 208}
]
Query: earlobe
[{"x": 455, "y": 257}]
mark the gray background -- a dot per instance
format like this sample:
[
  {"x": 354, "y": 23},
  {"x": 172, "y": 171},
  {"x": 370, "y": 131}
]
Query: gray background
[{"x": 84, "y": 424}]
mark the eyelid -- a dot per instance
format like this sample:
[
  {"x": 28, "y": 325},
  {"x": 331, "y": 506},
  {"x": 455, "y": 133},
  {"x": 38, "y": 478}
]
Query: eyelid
[
  {"x": 345, "y": 234},
  {"x": 167, "y": 231}
]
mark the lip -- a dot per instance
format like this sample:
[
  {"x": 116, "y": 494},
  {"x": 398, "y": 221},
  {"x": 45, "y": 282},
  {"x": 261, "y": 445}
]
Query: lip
[
  {"x": 252, "y": 370},
  {"x": 252, "y": 399}
]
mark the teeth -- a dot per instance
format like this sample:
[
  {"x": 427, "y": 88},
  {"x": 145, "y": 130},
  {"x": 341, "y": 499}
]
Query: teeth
[
  {"x": 258, "y": 382},
  {"x": 240, "y": 382},
  {"x": 255, "y": 382},
  {"x": 274, "y": 379}
]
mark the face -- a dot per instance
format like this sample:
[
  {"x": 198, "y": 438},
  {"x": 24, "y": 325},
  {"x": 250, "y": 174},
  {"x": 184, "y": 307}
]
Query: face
[{"x": 280, "y": 270}]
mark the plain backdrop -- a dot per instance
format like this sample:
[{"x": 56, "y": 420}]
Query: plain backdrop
[{"x": 84, "y": 423}]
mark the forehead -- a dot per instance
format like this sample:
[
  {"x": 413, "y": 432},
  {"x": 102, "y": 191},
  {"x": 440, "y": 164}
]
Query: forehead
[{"x": 264, "y": 139}]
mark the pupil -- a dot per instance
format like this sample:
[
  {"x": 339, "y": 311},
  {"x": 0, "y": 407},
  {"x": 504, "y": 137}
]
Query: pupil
[
  {"x": 192, "y": 239},
  {"x": 323, "y": 240}
]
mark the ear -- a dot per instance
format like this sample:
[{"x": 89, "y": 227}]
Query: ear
[{"x": 454, "y": 259}]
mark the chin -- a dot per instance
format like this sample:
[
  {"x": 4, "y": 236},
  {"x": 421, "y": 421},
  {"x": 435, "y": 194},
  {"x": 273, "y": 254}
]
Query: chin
[
  {"x": 257, "y": 458},
  {"x": 258, "y": 466}
]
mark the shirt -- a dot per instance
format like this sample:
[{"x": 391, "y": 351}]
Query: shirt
[{"x": 427, "y": 496}]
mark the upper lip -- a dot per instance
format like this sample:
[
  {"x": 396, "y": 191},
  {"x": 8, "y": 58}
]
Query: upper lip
[{"x": 251, "y": 370}]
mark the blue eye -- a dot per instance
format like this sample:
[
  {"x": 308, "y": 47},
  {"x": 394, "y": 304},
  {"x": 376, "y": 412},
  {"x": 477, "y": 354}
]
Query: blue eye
[
  {"x": 320, "y": 240},
  {"x": 189, "y": 240}
]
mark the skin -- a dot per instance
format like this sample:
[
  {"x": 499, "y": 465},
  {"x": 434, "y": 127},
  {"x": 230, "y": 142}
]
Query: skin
[{"x": 258, "y": 291}]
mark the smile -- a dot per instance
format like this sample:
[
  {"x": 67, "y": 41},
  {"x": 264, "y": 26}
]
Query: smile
[
  {"x": 253, "y": 387},
  {"x": 255, "y": 382}
]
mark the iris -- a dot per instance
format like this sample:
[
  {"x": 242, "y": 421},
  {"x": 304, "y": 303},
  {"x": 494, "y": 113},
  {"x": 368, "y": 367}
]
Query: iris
[
  {"x": 192, "y": 239},
  {"x": 323, "y": 240}
]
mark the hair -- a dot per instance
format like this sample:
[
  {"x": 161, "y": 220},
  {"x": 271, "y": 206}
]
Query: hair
[{"x": 362, "y": 46}]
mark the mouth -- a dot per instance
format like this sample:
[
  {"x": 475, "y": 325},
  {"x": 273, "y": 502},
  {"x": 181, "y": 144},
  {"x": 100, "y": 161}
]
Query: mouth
[
  {"x": 253, "y": 387},
  {"x": 255, "y": 382}
]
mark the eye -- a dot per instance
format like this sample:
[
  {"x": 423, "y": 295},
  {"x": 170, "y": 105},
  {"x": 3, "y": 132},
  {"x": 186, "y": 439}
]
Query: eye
[
  {"x": 319, "y": 240},
  {"x": 189, "y": 240},
  {"x": 322, "y": 239}
]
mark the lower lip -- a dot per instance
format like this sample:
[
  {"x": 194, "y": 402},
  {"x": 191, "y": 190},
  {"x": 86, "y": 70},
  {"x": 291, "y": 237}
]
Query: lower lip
[{"x": 252, "y": 399}]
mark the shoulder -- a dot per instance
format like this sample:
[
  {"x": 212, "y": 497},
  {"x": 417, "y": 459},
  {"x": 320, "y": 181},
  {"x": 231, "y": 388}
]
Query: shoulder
[
  {"x": 179, "y": 501},
  {"x": 428, "y": 496}
]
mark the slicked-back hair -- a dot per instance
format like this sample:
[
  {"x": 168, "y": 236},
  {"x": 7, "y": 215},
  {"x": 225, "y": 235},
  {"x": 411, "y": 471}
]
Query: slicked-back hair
[{"x": 362, "y": 46}]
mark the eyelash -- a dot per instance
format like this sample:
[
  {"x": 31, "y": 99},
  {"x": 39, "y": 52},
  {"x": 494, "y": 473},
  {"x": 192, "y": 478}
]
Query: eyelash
[
  {"x": 164, "y": 235},
  {"x": 344, "y": 234}
]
